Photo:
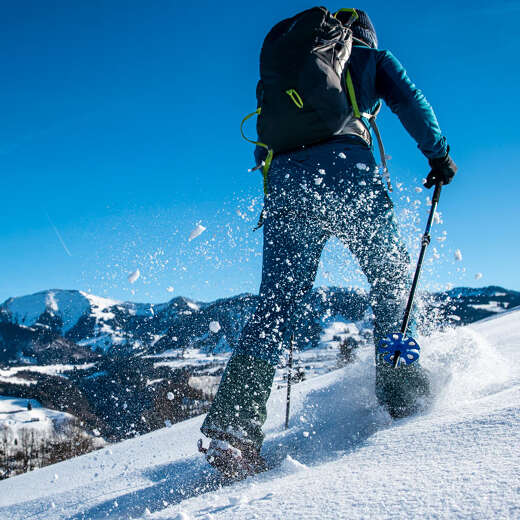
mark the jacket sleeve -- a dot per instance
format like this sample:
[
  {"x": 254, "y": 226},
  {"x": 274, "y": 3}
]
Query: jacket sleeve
[{"x": 406, "y": 101}]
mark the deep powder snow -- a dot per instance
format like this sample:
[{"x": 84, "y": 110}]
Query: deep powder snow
[{"x": 343, "y": 456}]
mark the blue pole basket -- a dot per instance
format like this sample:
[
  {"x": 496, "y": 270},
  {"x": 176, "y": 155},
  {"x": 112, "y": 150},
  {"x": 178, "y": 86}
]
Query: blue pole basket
[{"x": 407, "y": 348}]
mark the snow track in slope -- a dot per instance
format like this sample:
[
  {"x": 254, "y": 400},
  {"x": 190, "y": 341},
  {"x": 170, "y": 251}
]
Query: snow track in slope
[{"x": 343, "y": 457}]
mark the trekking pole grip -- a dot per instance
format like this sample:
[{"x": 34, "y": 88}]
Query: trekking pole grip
[
  {"x": 435, "y": 202},
  {"x": 437, "y": 192}
]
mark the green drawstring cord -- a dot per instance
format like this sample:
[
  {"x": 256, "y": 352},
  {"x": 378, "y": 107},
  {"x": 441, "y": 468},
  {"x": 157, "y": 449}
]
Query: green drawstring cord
[{"x": 270, "y": 151}]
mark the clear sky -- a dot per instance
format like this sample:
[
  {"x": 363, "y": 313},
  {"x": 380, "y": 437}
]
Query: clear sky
[{"x": 120, "y": 133}]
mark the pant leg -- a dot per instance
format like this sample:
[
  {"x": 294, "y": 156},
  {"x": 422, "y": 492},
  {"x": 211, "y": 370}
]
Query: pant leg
[
  {"x": 291, "y": 254},
  {"x": 374, "y": 240},
  {"x": 371, "y": 233}
]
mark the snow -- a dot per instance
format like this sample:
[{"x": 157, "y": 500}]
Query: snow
[
  {"x": 336, "y": 331},
  {"x": 199, "y": 229},
  {"x": 214, "y": 326},
  {"x": 15, "y": 417},
  {"x": 17, "y": 380},
  {"x": 51, "y": 370},
  {"x": 205, "y": 384},
  {"x": 457, "y": 460},
  {"x": 133, "y": 277},
  {"x": 9, "y": 375},
  {"x": 101, "y": 310},
  {"x": 51, "y": 302},
  {"x": 492, "y": 306},
  {"x": 69, "y": 306},
  {"x": 192, "y": 305},
  {"x": 98, "y": 302}
]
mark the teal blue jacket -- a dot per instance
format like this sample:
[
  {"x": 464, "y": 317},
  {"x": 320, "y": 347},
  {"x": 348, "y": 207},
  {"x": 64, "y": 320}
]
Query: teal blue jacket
[{"x": 378, "y": 75}]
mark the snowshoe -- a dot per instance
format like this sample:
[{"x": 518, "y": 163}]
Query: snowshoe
[
  {"x": 232, "y": 462},
  {"x": 404, "y": 391}
]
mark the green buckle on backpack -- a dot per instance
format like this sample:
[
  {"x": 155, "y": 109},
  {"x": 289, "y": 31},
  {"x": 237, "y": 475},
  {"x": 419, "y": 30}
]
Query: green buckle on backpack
[{"x": 298, "y": 101}]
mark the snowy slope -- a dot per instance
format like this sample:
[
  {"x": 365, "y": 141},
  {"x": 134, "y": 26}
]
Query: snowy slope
[
  {"x": 69, "y": 306},
  {"x": 343, "y": 456},
  {"x": 14, "y": 416}
]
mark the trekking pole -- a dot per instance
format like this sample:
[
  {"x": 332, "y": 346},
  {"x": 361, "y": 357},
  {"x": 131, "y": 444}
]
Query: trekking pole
[
  {"x": 397, "y": 347},
  {"x": 289, "y": 378}
]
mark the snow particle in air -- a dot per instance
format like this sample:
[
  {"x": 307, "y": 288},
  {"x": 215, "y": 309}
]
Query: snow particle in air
[
  {"x": 133, "y": 277},
  {"x": 214, "y": 326},
  {"x": 199, "y": 229}
]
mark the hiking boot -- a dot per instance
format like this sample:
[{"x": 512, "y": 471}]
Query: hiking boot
[
  {"x": 404, "y": 390},
  {"x": 231, "y": 461},
  {"x": 239, "y": 408}
]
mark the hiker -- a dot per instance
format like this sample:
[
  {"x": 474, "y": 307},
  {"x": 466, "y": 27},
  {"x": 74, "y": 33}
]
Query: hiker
[{"x": 329, "y": 188}]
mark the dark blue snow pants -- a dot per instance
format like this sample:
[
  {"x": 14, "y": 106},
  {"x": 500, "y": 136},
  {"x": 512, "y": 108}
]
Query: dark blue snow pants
[{"x": 331, "y": 189}]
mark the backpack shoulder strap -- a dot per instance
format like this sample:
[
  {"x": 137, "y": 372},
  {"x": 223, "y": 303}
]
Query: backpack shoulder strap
[
  {"x": 352, "y": 95},
  {"x": 372, "y": 119}
]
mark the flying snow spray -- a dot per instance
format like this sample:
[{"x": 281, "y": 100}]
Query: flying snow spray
[{"x": 397, "y": 348}]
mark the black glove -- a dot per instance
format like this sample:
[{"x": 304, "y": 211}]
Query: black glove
[{"x": 443, "y": 170}]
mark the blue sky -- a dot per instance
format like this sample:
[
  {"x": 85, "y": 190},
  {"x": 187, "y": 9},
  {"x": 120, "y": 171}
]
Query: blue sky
[{"x": 120, "y": 132}]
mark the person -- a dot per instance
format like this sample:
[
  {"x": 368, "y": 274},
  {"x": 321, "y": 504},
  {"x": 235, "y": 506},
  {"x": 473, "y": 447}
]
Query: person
[{"x": 329, "y": 189}]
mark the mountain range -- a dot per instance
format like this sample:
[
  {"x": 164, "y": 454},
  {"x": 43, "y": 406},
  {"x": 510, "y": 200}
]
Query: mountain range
[
  {"x": 68, "y": 325},
  {"x": 126, "y": 368}
]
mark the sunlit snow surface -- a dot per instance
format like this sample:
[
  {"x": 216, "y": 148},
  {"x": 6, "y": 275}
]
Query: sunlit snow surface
[
  {"x": 343, "y": 456},
  {"x": 14, "y": 416},
  {"x": 8, "y": 375}
]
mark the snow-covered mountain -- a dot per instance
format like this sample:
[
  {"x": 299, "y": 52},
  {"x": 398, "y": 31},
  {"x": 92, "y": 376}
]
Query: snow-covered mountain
[
  {"x": 342, "y": 457},
  {"x": 101, "y": 325},
  {"x": 30, "y": 324},
  {"x": 113, "y": 364}
]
